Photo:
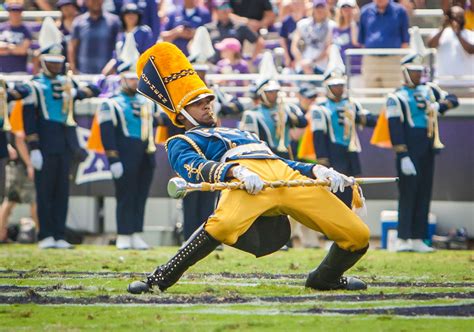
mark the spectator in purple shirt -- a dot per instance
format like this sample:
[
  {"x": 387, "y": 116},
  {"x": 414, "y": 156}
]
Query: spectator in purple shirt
[
  {"x": 345, "y": 34},
  {"x": 231, "y": 63},
  {"x": 383, "y": 24},
  {"x": 297, "y": 10},
  {"x": 15, "y": 40},
  {"x": 182, "y": 24},
  {"x": 94, "y": 35}
]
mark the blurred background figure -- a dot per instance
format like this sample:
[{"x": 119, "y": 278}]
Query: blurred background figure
[
  {"x": 311, "y": 40},
  {"x": 131, "y": 16},
  {"x": 412, "y": 113},
  {"x": 231, "y": 60},
  {"x": 15, "y": 40},
  {"x": 126, "y": 130},
  {"x": 455, "y": 45},
  {"x": 345, "y": 35},
  {"x": 296, "y": 10},
  {"x": 93, "y": 39},
  {"x": 335, "y": 122},
  {"x": 383, "y": 24},
  {"x": 256, "y": 14},
  {"x": 69, "y": 11},
  {"x": 224, "y": 27},
  {"x": 182, "y": 24}
]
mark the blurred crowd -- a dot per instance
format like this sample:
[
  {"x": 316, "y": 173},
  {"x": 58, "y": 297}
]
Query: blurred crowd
[{"x": 298, "y": 32}]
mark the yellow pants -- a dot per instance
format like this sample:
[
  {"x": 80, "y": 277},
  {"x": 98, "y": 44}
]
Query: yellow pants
[{"x": 315, "y": 207}]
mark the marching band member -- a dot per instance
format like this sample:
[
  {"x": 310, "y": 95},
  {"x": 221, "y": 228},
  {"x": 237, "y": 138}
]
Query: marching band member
[
  {"x": 335, "y": 121},
  {"x": 412, "y": 112},
  {"x": 48, "y": 115},
  {"x": 207, "y": 153}
]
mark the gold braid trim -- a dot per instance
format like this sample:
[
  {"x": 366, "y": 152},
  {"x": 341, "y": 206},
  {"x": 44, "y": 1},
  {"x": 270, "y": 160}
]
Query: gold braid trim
[
  {"x": 211, "y": 172},
  {"x": 186, "y": 96},
  {"x": 112, "y": 153},
  {"x": 400, "y": 148},
  {"x": 192, "y": 170},
  {"x": 188, "y": 140},
  {"x": 32, "y": 138}
]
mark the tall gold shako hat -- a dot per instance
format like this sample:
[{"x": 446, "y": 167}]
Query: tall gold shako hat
[{"x": 167, "y": 77}]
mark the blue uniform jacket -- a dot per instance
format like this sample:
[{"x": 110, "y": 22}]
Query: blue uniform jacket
[
  {"x": 408, "y": 120},
  {"x": 196, "y": 154},
  {"x": 121, "y": 126},
  {"x": 43, "y": 118},
  {"x": 329, "y": 139}
]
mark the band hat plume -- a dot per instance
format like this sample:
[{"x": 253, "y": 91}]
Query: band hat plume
[
  {"x": 167, "y": 77},
  {"x": 49, "y": 40}
]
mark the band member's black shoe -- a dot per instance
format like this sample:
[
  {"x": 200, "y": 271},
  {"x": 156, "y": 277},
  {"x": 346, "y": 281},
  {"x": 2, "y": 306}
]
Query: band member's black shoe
[
  {"x": 328, "y": 275},
  {"x": 199, "y": 245}
]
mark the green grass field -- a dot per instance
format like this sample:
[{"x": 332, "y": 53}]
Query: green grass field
[{"x": 85, "y": 289}]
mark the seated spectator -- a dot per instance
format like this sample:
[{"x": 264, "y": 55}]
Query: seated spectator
[
  {"x": 383, "y": 24},
  {"x": 40, "y": 4},
  {"x": 296, "y": 10},
  {"x": 231, "y": 62},
  {"x": 93, "y": 39},
  {"x": 148, "y": 8},
  {"x": 311, "y": 40},
  {"x": 131, "y": 16},
  {"x": 345, "y": 34},
  {"x": 455, "y": 45},
  {"x": 182, "y": 24},
  {"x": 15, "y": 40},
  {"x": 223, "y": 27},
  {"x": 256, "y": 14}
]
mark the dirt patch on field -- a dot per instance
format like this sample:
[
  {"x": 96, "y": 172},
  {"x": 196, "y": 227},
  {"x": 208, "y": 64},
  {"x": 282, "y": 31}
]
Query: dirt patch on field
[
  {"x": 461, "y": 310},
  {"x": 32, "y": 295},
  {"x": 28, "y": 274}
]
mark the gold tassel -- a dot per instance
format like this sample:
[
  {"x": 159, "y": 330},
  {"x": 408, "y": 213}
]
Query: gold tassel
[{"x": 357, "y": 201}]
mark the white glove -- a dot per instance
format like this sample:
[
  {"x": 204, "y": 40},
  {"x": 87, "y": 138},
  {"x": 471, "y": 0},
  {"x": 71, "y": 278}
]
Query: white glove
[
  {"x": 435, "y": 107},
  {"x": 407, "y": 166},
  {"x": 338, "y": 181},
  {"x": 65, "y": 95},
  {"x": 36, "y": 159},
  {"x": 116, "y": 169},
  {"x": 253, "y": 183}
]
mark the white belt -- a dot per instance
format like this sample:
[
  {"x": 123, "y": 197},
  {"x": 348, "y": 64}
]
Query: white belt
[{"x": 246, "y": 148}]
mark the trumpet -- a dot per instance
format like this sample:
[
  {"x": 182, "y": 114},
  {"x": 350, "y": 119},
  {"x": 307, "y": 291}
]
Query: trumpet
[
  {"x": 68, "y": 105},
  {"x": 4, "y": 106},
  {"x": 281, "y": 129},
  {"x": 350, "y": 125},
  {"x": 433, "y": 128},
  {"x": 146, "y": 117}
]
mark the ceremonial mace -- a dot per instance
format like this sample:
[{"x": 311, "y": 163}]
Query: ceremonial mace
[{"x": 178, "y": 187}]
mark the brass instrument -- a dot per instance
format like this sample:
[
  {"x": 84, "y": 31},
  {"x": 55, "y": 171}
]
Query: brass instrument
[
  {"x": 350, "y": 125},
  {"x": 4, "y": 106},
  {"x": 68, "y": 104},
  {"x": 281, "y": 126},
  {"x": 146, "y": 117},
  {"x": 433, "y": 128}
]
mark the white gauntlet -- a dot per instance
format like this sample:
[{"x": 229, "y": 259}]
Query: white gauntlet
[
  {"x": 253, "y": 183},
  {"x": 338, "y": 180}
]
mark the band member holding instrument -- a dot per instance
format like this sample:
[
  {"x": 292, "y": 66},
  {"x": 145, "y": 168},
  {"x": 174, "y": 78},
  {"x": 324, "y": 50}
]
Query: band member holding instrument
[
  {"x": 273, "y": 118},
  {"x": 207, "y": 153},
  {"x": 335, "y": 121},
  {"x": 412, "y": 112},
  {"x": 50, "y": 132},
  {"x": 126, "y": 129}
]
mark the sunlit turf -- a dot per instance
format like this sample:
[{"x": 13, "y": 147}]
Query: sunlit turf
[{"x": 242, "y": 293}]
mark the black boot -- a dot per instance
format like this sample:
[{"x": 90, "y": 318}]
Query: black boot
[
  {"x": 328, "y": 275},
  {"x": 199, "y": 245}
]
